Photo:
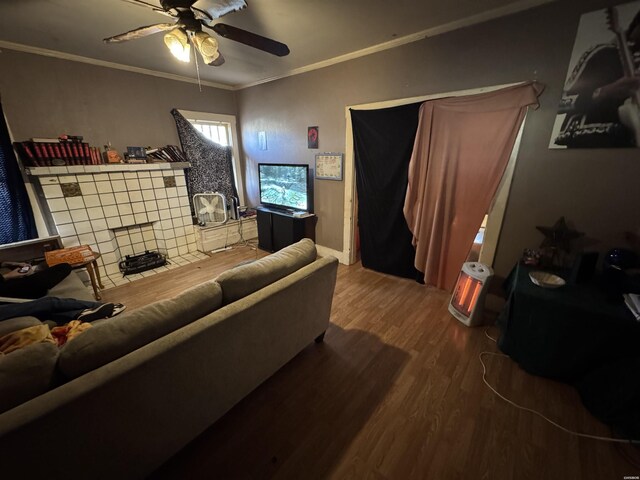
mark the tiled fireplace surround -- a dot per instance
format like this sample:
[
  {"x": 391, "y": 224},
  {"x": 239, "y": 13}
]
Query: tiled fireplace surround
[{"x": 122, "y": 210}]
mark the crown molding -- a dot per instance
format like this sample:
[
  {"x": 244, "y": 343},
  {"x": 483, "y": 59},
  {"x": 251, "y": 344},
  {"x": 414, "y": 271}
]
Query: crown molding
[
  {"x": 414, "y": 37},
  {"x": 101, "y": 63}
]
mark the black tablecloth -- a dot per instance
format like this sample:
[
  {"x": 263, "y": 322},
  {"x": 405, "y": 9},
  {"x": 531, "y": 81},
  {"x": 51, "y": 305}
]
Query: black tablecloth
[{"x": 566, "y": 332}]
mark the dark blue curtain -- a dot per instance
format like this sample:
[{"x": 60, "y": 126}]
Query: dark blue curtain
[{"x": 16, "y": 219}]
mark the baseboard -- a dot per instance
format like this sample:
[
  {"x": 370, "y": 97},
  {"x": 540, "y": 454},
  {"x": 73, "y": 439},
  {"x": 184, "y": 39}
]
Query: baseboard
[{"x": 324, "y": 251}]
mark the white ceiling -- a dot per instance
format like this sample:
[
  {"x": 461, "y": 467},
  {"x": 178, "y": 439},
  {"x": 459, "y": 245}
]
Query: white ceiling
[{"x": 315, "y": 31}]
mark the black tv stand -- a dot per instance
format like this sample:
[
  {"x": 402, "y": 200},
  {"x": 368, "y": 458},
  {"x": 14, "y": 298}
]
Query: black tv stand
[{"x": 278, "y": 228}]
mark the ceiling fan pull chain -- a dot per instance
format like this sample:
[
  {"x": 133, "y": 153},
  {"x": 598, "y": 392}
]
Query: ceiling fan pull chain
[{"x": 197, "y": 64}]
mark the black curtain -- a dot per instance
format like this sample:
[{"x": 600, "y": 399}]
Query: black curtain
[
  {"x": 383, "y": 141},
  {"x": 16, "y": 221},
  {"x": 211, "y": 164}
]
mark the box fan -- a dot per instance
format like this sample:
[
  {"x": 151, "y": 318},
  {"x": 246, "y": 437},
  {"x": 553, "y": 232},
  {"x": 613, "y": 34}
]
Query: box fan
[{"x": 211, "y": 208}]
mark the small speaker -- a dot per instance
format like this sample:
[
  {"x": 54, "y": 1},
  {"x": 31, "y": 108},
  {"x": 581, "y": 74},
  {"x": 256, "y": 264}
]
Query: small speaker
[{"x": 584, "y": 267}]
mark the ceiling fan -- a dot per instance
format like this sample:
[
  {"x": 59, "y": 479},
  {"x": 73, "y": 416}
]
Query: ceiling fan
[{"x": 191, "y": 16}]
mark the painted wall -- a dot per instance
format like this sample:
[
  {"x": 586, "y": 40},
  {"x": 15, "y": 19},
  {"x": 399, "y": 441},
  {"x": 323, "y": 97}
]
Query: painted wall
[
  {"x": 46, "y": 97},
  {"x": 596, "y": 190}
]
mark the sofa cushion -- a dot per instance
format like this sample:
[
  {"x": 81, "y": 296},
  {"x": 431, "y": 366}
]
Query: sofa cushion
[
  {"x": 125, "y": 333},
  {"x": 26, "y": 373},
  {"x": 246, "y": 279},
  {"x": 17, "y": 323}
]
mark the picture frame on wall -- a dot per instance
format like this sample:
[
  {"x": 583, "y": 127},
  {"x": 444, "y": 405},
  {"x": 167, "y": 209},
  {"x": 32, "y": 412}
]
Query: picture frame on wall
[
  {"x": 313, "y": 135},
  {"x": 329, "y": 166}
]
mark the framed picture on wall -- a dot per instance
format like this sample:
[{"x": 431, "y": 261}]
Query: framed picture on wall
[
  {"x": 312, "y": 137},
  {"x": 329, "y": 166},
  {"x": 600, "y": 104}
]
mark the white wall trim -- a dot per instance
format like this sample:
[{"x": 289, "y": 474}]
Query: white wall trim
[
  {"x": 325, "y": 251},
  {"x": 414, "y": 37},
  {"x": 102, "y": 63},
  {"x": 348, "y": 252}
]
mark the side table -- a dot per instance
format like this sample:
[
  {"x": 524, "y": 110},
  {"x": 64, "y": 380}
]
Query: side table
[{"x": 94, "y": 273}]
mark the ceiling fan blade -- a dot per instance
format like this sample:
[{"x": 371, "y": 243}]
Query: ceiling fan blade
[
  {"x": 252, "y": 39},
  {"x": 218, "y": 8},
  {"x": 141, "y": 32}
]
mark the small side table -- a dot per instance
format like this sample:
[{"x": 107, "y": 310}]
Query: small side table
[{"x": 94, "y": 273}]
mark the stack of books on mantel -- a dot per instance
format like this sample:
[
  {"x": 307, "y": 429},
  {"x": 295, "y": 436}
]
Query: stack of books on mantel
[{"x": 47, "y": 152}]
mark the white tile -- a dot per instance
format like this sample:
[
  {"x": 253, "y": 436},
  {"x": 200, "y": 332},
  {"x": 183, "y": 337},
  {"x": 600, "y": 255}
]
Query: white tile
[
  {"x": 182, "y": 191},
  {"x": 95, "y": 213},
  {"x": 186, "y": 211},
  {"x": 183, "y": 249},
  {"x": 49, "y": 181},
  {"x": 75, "y": 202},
  {"x": 174, "y": 202},
  {"x": 88, "y": 188},
  {"x": 163, "y": 204},
  {"x": 160, "y": 192},
  {"x": 114, "y": 222},
  {"x": 153, "y": 216},
  {"x": 71, "y": 241},
  {"x": 171, "y": 191},
  {"x": 130, "y": 175},
  {"x": 66, "y": 230},
  {"x": 83, "y": 227},
  {"x": 60, "y": 218},
  {"x": 135, "y": 195},
  {"x": 175, "y": 212},
  {"x": 128, "y": 220},
  {"x": 107, "y": 199},
  {"x": 157, "y": 182},
  {"x": 138, "y": 207},
  {"x": 126, "y": 250},
  {"x": 57, "y": 204},
  {"x": 150, "y": 205},
  {"x": 79, "y": 215},
  {"x": 91, "y": 200},
  {"x": 156, "y": 175},
  {"x": 184, "y": 201},
  {"x": 75, "y": 168},
  {"x": 87, "y": 238},
  {"x": 119, "y": 185},
  {"x": 148, "y": 194},
  {"x": 116, "y": 176},
  {"x": 145, "y": 183},
  {"x": 145, "y": 174},
  {"x": 112, "y": 268},
  {"x": 92, "y": 168},
  {"x": 121, "y": 197},
  {"x": 68, "y": 179},
  {"x": 180, "y": 180},
  {"x": 123, "y": 241},
  {"x": 104, "y": 187},
  {"x": 98, "y": 226},
  {"x": 182, "y": 241},
  {"x": 52, "y": 191},
  {"x": 171, "y": 243},
  {"x": 110, "y": 211},
  {"x": 109, "y": 257},
  {"x": 133, "y": 184},
  {"x": 101, "y": 177},
  {"x": 125, "y": 209},
  {"x": 58, "y": 170},
  {"x": 136, "y": 237},
  {"x": 172, "y": 252},
  {"x": 141, "y": 218},
  {"x": 168, "y": 173},
  {"x": 148, "y": 235},
  {"x": 85, "y": 178}
]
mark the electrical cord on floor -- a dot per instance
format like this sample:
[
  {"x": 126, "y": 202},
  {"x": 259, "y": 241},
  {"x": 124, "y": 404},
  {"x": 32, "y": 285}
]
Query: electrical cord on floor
[{"x": 584, "y": 435}]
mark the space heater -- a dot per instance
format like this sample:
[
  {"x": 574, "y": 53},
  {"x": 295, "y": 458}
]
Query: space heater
[{"x": 467, "y": 300}]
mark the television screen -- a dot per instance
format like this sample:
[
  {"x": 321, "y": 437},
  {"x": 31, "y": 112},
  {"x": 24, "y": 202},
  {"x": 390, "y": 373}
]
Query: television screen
[{"x": 284, "y": 185}]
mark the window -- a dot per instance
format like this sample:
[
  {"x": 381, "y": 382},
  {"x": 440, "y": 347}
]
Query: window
[{"x": 220, "y": 129}]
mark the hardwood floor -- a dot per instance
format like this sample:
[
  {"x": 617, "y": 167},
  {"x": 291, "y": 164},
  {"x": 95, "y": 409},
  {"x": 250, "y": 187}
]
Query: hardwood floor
[{"x": 394, "y": 392}]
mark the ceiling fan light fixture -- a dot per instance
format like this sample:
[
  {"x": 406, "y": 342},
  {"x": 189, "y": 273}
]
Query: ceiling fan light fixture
[
  {"x": 178, "y": 44},
  {"x": 206, "y": 45}
]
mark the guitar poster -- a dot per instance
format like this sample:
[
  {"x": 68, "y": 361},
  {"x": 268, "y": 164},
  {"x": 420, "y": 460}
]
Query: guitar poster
[{"x": 600, "y": 104}]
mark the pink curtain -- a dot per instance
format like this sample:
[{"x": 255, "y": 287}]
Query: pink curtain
[{"x": 460, "y": 153}]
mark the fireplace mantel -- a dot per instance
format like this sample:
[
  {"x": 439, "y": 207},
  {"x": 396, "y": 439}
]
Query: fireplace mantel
[{"x": 118, "y": 167}]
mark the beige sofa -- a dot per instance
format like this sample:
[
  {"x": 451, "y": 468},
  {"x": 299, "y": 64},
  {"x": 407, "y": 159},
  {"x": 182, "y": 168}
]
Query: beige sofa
[{"x": 132, "y": 390}]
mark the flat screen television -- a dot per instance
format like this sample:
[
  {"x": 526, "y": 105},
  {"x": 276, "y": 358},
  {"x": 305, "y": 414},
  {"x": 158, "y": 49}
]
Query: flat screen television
[{"x": 285, "y": 186}]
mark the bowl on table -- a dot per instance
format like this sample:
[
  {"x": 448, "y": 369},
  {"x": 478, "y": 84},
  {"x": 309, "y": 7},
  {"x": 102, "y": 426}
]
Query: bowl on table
[{"x": 546, "y": 279}]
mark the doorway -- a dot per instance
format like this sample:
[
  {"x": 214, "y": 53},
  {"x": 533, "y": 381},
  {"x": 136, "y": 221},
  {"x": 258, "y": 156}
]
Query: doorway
[{"x": 494, "y": 217}]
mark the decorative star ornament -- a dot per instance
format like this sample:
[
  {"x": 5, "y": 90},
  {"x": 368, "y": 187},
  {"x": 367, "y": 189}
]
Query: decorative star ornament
[{"x": 559, "y": 236}]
